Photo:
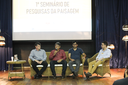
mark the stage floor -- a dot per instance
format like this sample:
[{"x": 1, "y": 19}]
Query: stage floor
[{"x": 106, "y": 80}]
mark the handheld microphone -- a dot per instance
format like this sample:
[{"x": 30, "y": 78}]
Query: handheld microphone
[{"x": 56, "y": 49}]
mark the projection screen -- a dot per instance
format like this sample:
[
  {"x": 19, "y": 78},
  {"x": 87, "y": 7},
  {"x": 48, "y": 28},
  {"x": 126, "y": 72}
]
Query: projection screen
[{"x": 52, "y": 19}]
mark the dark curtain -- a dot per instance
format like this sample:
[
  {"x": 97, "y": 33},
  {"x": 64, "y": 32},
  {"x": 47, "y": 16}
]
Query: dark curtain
[
  {"x": 111, "y": 15},
  {"x": 6, "y": 31}
]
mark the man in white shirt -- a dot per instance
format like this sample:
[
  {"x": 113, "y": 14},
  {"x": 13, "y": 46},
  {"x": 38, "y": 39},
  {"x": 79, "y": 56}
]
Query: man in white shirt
[
  {"x": 103, "y": 53},
  {"x": 38, "y": 57}
]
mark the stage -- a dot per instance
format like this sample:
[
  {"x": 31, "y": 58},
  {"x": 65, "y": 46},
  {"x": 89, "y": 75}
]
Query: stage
[{"x": 94, "y": 80}]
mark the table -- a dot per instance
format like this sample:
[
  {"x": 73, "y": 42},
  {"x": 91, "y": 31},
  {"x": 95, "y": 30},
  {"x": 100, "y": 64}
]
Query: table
[{"x": 19, "y": 74}]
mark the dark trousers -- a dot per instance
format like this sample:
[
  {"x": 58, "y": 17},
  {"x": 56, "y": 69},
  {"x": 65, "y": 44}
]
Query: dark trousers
[
  {"x": 52, "y": 63},
  {"x": 77, "y": 62},
  {"x": 34, "y": 64}
]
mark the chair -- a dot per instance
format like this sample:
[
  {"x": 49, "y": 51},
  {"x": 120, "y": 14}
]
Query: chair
[{"x": 104, "y": 67}]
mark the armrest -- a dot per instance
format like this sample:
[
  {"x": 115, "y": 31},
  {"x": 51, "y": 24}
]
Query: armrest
[
  {"x": 92, "y": 58},
  {"x": 83, "y": 60},
  {"x": 29, "y": 61},
  {"x": 106, "y": 60}
]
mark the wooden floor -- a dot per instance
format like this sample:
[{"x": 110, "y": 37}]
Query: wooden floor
[{"x": 106, "y": 80}]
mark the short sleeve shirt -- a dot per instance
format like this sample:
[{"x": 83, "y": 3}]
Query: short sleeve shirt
[{"x": 75, "y": 54}]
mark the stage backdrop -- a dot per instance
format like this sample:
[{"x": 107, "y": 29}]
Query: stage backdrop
[
  {"x": 6, "y": 31},
  {"x": 110, "y": 16}
]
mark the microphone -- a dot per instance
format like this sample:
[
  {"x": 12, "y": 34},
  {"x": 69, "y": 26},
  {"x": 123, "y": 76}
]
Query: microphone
[{"x": 56, "y": 49}]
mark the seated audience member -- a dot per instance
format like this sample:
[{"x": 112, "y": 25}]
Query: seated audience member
[
  {"x": 123, "y": 81},
  {"x": 103, "y": 53},
  {"x": 75, "y": 58},
  {"x": 38, "y": 57},
  {"x": 58, "y": 56},
  {"x": 126, "y": 72}
]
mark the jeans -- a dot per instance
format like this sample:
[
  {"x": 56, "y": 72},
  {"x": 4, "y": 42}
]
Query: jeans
[{"x": 77, "y": 62}]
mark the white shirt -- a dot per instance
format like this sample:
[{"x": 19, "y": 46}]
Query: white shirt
[
  {"x": 38, "y": 55},
  {"x": 104, "y": 54}
]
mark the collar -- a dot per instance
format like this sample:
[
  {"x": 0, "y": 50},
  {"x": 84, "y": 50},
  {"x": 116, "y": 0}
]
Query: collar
[
  {"x": 59, "y": 49},
  {"x": 76, "y": 48},
  {"x": 36, "y": 50},
  {"x": 105, "y": 50}
]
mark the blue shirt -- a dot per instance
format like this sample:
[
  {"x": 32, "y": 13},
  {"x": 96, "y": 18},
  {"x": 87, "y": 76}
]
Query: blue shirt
[
  {"x": 38, "y": 55},
  {"x": 104, "y": 54},
  {"x": 75, "y": 54}
]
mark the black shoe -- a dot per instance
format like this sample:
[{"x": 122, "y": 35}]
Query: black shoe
[
  {"x": 85, "y": 73},
  {"x": 89, "y": 74},
  {"x": 36, "y": 76},
  {"x": 63, "y": 76},
  {"x": 87, "y": 77},
  {"x": 76, "y": 74},
  {"x": 40, "y": 76},
  {"x": 54, "y": 76},
  {"x": 73, "y": 76}
]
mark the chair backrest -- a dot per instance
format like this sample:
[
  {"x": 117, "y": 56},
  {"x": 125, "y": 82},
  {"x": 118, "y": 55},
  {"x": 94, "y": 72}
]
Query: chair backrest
[
  {"x": 107, "y": 62},
  {"x": 111, "y": 55},
  {"x": 48, "y": 54},
  {"x": 98, "y": 53},
  {"x": 94, "y": 57}
]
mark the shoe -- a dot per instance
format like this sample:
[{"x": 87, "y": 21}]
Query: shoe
[
  {"x": 76, "y": 74},
  {"x": 87, "y": 76},
  {"x": 85, "y": 73},
  {"x": 36, "y": 76},
  {"x": 63, "y": 76},
  {"x": 54, "y": 76},
  {"x": 40, "y": 76},
  {"x": 73, "y": 76}
]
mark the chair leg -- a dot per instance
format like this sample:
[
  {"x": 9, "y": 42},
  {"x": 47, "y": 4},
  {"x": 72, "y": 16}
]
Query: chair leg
[
  {"x": 109, "y": 74},
  {"x": 32, "y": 77}
]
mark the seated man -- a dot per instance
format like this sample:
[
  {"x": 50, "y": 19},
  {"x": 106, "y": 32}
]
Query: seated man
[
  {"x": 75, "y": 58},
  {"x": 123, "y": 81},
  {"x": 38, "y": 57},
  {"x": 103, "y": 53},
  {"x": 58, "y": 56}
]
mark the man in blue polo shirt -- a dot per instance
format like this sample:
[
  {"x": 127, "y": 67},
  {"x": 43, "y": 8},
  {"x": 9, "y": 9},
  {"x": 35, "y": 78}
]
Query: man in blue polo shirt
[{"x": 75, "y": 58}]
